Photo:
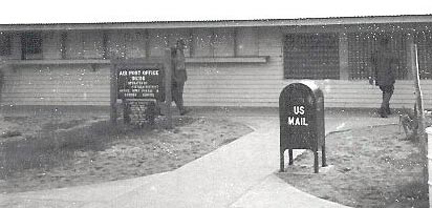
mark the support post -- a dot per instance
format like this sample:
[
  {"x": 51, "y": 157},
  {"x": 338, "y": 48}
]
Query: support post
[
  {"x": 113, "y": 95},
  {"x": 291, "y": 157},
  {"x": 409, "y": 59},
  {"x": 282, "y": 161},
  {"x": 420, "y": 110},
  {"x": 323, "y": 152},
  {"x": 168, "y": 97},
  {"x": 343, "y": 56},
  {"x": 316, "y": 168}
]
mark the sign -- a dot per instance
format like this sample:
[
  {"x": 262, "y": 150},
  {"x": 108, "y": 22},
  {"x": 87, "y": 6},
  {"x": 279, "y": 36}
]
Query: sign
[
  {"x": 301, "y": 113},
  {"x": 144, "y": 86},
  {"x": 139, "y": 83},
  {"x": 139, "y": 87},
  {"x": 138, "y": 112}
]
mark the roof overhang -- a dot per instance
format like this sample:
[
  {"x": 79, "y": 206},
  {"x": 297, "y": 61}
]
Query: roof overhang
[
  {"x": 344, "y": 21},
  {"x": 160, "y": 14}
]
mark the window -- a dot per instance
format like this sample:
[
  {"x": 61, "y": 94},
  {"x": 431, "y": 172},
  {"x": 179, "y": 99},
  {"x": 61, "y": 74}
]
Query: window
[
  {"x": 217, "y": 42},
  {"x": 223, "y": 42},
  {"x": 360, "y": 49},
  {"x": 5, "y": 44},
  {"x": 247, "y": 42},
  {"x": 202, "y": 43},
  {"x": 311, "y": 56},
  {"x": 83, "y": 45},
  {"x": 31, "y": 45},
  {"x": 424, "y": 43}
]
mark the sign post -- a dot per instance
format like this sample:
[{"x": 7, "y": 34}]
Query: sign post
[
  {"x": 167, "y": 81},
  {"x": 301, "y": 113}
]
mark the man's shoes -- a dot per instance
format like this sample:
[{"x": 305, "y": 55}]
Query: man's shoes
[
  {"x": 382, "y": 112},
  {"x": 388, "y": 111},
  {"x": 185, "y": 111}
]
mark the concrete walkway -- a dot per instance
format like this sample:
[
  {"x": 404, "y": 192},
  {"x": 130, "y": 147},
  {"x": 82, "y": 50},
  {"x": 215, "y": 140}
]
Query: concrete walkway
[{"x": 240, "y": 174}]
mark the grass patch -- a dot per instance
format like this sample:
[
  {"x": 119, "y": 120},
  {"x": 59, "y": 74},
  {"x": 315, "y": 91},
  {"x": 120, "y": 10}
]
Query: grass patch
[
  {"x": 370, "y": 167},
  {"x": 80, "y": 152}
]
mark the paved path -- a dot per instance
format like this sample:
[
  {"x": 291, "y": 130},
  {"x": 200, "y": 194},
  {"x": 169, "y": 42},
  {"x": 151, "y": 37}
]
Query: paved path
[{"x": 236, "y": 175}]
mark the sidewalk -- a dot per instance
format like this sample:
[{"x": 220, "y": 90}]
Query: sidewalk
[{"x": 236, "y": 175}]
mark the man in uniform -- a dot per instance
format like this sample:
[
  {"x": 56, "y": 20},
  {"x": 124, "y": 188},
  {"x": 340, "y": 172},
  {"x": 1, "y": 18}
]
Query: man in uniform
[
  {"x": 179, "y": 76},
  {"x": 383, "y": 66}
]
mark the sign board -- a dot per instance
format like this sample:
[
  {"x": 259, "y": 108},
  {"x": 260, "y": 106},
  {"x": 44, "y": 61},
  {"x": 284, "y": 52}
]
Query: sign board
[
  {"x": 139, "y": 86},
  {"x": 143, "y": 85},
  {"x": 142, "y": 82},
  {"x": 138, "y": 111},
  {"x": 301, "y": 113}
]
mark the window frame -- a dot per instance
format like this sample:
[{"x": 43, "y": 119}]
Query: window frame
[
  {"x": 31, "y": 45},
  {"x": 308, "y": 66},
  {"x": 5, "y": 44}
]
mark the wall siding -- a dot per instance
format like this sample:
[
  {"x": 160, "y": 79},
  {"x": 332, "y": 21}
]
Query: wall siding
[
  {"x": 212, "y": 84},
  {"x": 261, "y": 84},
  {"x": 243, "y": 84},
  {"x": 56, "y": 86}
]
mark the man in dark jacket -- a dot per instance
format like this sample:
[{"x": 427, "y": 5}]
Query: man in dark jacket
[
  {"x": 383, "y": 66},
  {"x": 179, "y": 76}
]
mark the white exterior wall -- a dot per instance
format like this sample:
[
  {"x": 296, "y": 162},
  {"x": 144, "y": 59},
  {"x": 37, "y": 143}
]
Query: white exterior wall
[{"x": 209, "y": 84}]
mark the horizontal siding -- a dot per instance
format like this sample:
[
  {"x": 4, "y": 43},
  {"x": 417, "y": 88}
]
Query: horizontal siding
[
  {"x": 340, "y": 93},
  {"x": 211, "y": 84},
  {"x": 79, "y": 85},
  {"x": 207, "y": 86},
  {"x": 337, "y": 93},
  {"x": 239, "y": 84}
]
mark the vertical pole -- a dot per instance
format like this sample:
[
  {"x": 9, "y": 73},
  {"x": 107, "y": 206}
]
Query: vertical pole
[
  {"x": 1, "y": 81},
  {"x": 343, "y": 56},
  {"x": 126, "y": 112},
  {"x": 429, "y": 132},
  {"x": 168, "y": 98},
  {"x": 235, "y": 42},
  {"x": 113, "y": 94},
  {"x": 409, "y": 58},
  {"x": 191, "y": 43},
  {"x": 282, "y": 160},
  {"x": 105, "y": 46},
  {"x": 420, "y": 110},
  {"x": 291, "y": 157},
  {"x": 63, "y": 40},
  {"x": 23, "y": 46},
  {"x": 324, "y": 160},
  {"x": 316, "y": 168},
  {"x": 147, "y": 43}
]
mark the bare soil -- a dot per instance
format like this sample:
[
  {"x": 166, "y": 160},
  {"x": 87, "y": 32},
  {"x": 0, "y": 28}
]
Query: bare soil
[
  {"x": 369, "y": 167},
  {"x": 42, "y": 152}
]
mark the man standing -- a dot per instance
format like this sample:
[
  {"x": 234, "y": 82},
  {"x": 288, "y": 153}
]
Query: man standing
[
  {"x": 179, "y": 76},
  {"x": 383, "y": 64}
]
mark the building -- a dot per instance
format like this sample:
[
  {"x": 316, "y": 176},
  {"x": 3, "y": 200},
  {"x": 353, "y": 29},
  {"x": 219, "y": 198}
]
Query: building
[{"x": 230, "y": 63}]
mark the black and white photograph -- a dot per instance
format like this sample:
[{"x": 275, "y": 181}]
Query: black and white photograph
[{"x": 215, "y": 104}]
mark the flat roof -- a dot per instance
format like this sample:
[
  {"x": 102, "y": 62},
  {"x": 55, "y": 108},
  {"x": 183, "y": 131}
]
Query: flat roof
[
  {"x": 99, "y": 11},
  {"x": 399, "y": 19},
  {"x": 161, "y": 14}
]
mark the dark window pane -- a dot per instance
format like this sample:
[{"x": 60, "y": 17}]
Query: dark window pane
[
  {"x": 33, "y": 43},
  {"x": 5, "y": 45},
  {"x": 311, "y": 56}
]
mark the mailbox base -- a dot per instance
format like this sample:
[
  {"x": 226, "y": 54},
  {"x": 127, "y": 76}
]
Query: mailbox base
[{"x": 291, "y": 159}]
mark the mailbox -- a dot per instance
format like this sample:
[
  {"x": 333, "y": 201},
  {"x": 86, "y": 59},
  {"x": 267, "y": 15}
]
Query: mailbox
[{"x": 301, "y": 113}]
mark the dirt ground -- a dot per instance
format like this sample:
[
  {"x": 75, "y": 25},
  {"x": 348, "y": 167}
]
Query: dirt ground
[
  {"x": 369, "y": 167},
  {"x": 43, "y": 152}
]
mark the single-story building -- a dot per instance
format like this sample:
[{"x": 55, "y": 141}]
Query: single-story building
[{"x": 230, "y": 63}]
